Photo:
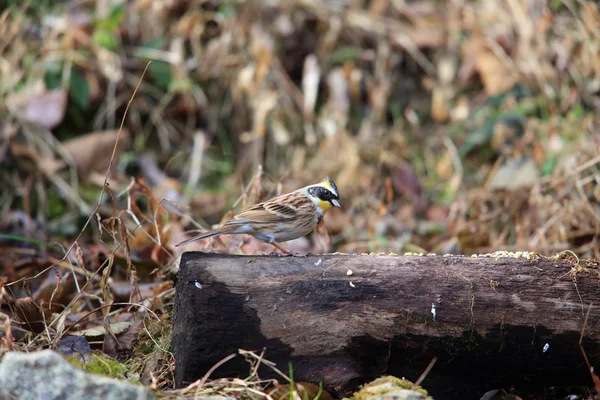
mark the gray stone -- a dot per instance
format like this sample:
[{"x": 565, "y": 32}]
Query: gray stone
[{"x": 46, "y": 375}]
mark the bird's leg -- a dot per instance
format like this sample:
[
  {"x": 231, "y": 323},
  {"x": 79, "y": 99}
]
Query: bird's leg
[{"x": 281, "y": 248}]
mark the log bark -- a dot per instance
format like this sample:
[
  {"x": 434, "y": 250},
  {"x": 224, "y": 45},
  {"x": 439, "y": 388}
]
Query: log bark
[{"x": 498, "y": 322}]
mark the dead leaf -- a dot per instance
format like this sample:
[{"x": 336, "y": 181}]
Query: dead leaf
[
  {"x": 92, "y": 152},
  {"x": 440, "y": 103},
  {"x": 513, "y": 174},
  {"x": 406, "y": 182},
  {"x": 43, "y": 163},
  {"x": 100, "y": 330},
  {"x": 496, "y": 76},
  {"x": 29, "y": 313},
  {"x": 130, "y": 336},
  {"x": 110, "y": 347},
  {"x": 38, "y": 105},
  {"x": 57, "y": 290}
]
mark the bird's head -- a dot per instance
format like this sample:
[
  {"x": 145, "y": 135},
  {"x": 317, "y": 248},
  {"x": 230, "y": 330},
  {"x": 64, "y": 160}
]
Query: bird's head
[{"x": 324, "y": 194}]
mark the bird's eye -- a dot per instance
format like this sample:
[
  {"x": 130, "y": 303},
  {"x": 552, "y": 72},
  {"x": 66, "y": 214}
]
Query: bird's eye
[{"x": 322, "y": 193}]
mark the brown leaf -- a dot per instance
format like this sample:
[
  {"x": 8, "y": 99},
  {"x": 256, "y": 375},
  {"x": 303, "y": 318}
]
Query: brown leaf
[
  {"x": 110, "y": 347},
  {"x": 406, "y": 182},
  {"x": 496, "y": 76},
  {"x": 58, "y": 289},
  {"x": 100, "y": 330},
  {"x": 130, "y": 336},
  {"x": 40, "y": 106},
  {"x": 43, "y": 163},
  {"x": 440, "y": 103},
  {"x": 92, "y": 152},
  {"x": 29, "y": 313}
]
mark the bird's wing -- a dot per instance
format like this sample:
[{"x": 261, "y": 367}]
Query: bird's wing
[{"x": 268, "y": 212}]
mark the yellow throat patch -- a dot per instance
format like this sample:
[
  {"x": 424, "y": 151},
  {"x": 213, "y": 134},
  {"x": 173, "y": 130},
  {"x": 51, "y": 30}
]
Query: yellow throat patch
[{"x": 325, "y": 205}]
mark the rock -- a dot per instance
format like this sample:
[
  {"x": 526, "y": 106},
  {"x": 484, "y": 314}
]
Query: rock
[{"x": 46, "y": 375}]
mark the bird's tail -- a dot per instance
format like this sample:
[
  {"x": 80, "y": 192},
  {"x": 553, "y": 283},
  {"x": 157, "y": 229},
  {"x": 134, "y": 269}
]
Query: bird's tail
[{"x": 199, "y": 237}]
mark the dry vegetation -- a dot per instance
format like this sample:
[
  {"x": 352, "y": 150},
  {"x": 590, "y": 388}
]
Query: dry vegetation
[{"x": 450, "y": 127}]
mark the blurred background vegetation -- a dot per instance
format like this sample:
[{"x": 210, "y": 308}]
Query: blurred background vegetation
[{"x": 449, "y": 127}]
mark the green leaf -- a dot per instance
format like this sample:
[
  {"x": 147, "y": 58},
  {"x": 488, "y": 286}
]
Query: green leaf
[
  {"x": 105, "y": 38},
  {"x": 79, "y": 90},
  {"x": 52, "y": 80},
  {"x": 113, "y": 19},
  {"x": 292, "y": 383},
  {"x": 161, "y": 73},
  {"x": 155, "y": 44},
  {"x": 555, "y": 4},
  {"x": 52, "y": 74},
  {"x": 227, "y": 10},
  {"x": 343, "y": 54},
  {"x": 548, "y": 166},
  {"x": 180, "y": 86},
  {"x": 7, "y": 236},
  {"x": 56, "y": 205},
  {"x": 577, "y": 113},
  {"x": 116, "y": 15}
]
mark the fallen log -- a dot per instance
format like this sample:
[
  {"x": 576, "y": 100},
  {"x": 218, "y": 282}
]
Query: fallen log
[{"x": 492, "y": 322}]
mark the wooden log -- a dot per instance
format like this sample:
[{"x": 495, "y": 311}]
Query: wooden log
[{"x": 347, "y": 319}]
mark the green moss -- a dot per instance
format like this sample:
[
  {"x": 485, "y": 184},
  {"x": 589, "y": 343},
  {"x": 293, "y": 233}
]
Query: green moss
[
  {"x": 152, "y": 351},
  {"x": 157, "y": 333},
  {"x": 387, "y": 387},
  {"x": 102, "y": 365}
]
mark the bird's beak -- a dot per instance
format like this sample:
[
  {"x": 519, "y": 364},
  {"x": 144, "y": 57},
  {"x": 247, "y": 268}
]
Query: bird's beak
[{"x": 336, "y": 203}]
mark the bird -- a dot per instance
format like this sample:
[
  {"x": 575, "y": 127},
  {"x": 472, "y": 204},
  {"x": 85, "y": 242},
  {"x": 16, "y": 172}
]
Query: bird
[{"x": 282, "y": 218}]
